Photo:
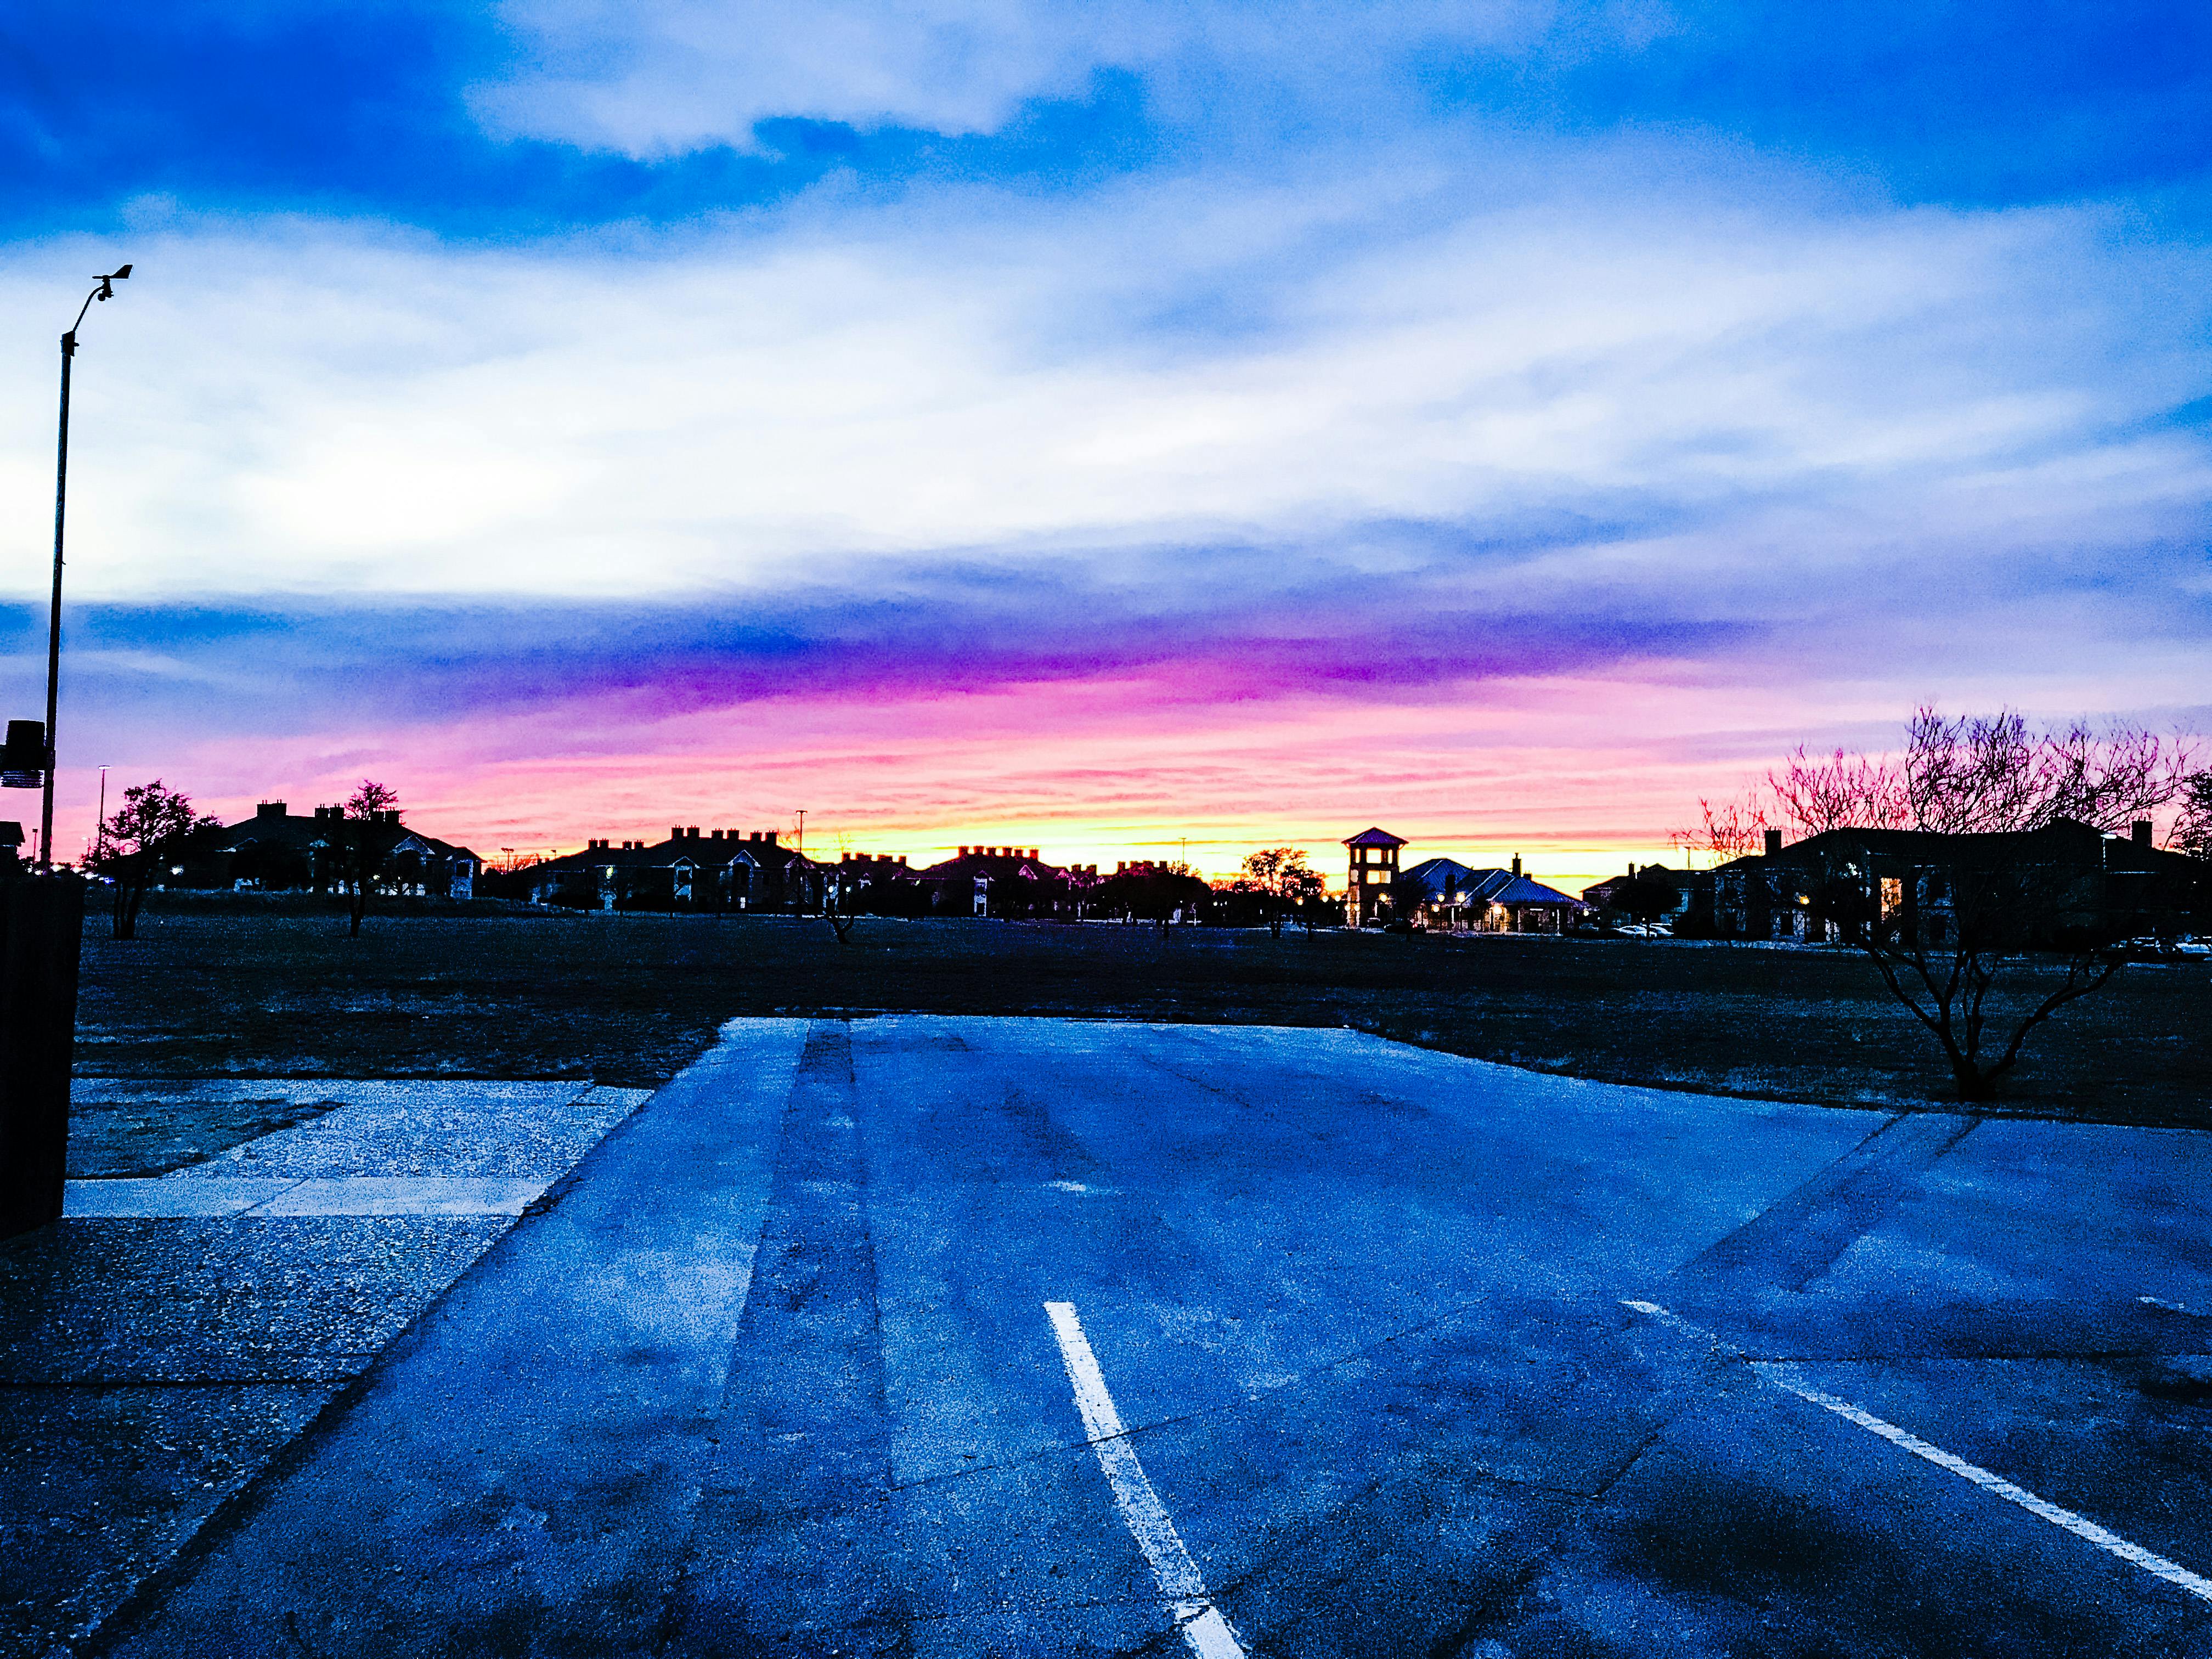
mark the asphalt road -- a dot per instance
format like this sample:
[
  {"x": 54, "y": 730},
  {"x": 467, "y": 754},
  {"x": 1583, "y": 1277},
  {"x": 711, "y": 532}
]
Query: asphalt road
[{"x": 958, "y": 1336}]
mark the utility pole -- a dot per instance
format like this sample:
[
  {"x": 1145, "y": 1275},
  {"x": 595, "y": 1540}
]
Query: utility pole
[
  {"x": 105, "y": 291},
  {"x": 802, "y": 848},
  {"x": 99, "y": 824}
]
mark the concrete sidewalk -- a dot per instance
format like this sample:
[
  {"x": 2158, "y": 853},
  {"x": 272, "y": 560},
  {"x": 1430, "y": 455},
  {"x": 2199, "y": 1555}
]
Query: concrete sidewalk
[
  {"x": 959, "y": 1336},
  {"x": 172, "y": 1332}
]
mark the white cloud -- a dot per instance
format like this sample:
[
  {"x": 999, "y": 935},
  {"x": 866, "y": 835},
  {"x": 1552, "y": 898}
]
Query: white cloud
[
  {"x": 329, "y": 407},
  {"x": 654, "y": 77}
]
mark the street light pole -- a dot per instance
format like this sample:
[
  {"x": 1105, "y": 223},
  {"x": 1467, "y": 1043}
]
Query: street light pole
[{"x": 106, "y": 290}]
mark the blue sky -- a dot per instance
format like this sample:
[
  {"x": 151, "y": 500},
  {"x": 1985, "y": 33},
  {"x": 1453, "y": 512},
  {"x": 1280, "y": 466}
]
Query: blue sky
[
  {"x": 1478, "y": 379},
  {"x": 533, "y": 119}
]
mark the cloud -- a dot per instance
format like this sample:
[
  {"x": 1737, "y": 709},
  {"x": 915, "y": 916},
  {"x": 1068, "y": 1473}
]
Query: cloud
[
  {"x": 1498, "y": 347},
  {"x": 653, "y": 80},
  {"x": 1962, "y": 104},
  {"x": 1546, "y": 448}
]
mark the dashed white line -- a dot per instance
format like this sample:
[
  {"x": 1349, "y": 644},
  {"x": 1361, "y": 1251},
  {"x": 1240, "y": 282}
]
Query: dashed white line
[
  {"x": 2080, "y": 1526},
  {"x": 1204, "y": 1629}
]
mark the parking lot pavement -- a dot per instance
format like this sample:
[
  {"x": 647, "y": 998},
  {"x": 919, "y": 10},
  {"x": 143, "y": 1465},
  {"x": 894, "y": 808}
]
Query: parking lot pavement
[
  {"x": 164, "y": 1340},
  {"x": 953, "y": 1336}
]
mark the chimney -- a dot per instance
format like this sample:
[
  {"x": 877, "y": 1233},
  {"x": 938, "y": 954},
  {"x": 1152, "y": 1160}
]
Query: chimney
[
  {"x": 2139, "y": 831},
  {"x": 772, "y": 835},
  {"x": 676, "y": 832},
  {"x": 270, "y": 809},
  {"x": 1517, "y": 864},
  {"x": 1033, "y": 852},
  {"x": 714, "y": 835},
  {"x": 692, "y": 834},
  {"x": 963, "y": 852},
  {"x": 1773, "y": 842},
  {"x": 1631, "y": 869}
]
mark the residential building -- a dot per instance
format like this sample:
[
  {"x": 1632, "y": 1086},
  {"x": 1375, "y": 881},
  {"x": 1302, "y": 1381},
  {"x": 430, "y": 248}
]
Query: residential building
[
  {"x": 718, "y": 871},
  {"x": 1007, "y": 882},
  {"x": 277, "y": 849},
  {"x": 2064, "y": 883}
]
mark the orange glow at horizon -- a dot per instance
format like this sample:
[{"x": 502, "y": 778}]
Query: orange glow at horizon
[{"x": 1088, "y": 771}]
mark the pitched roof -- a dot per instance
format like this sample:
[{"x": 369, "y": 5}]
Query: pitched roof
[
  {"x": 303, "y": 833},
  {"x": 993, "y": 865},
  {"x": 701, "y": 851},
  {"x": 1521, "y": 890},
  {"x": 1372, "y": 838},
  {"x": 1443, "y": 881},
  {"x": 2061, "y": 838}
]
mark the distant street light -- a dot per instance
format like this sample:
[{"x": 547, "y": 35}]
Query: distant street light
[{"x": 104, "y": 290}]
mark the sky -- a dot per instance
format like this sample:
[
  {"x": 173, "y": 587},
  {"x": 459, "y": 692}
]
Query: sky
[{"x": 1127, "y": 430}]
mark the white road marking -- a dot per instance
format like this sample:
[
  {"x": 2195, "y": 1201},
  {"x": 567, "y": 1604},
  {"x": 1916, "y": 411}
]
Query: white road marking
[
  {"x": 2080, "y": 1526},
  {"x": 1996, "y": 1486},
  {"x": 1207, "y": 1632},
  {"x": 1674, "y": 1321}
]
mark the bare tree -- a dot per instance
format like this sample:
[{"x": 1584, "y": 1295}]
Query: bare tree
[
  {"x": 1280, "y": 876},
  {"x": 838, "y": 902},
  {"x": 1838, "y": 790},
  {"x": 1974, "y": 773},
  {"x": 1982, "y": 942},
  {"x": 1731, "y": 829},
  {"x": 1948, "y": 935},
  {"x": 139, "y": 840},
  {"x": 2192, "y": 826},
  {"x": 1990, "y": 773},
  {"x": 360, "y": 843}
]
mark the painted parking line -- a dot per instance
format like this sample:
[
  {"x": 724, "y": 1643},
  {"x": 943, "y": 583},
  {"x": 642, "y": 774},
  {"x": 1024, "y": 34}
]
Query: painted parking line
[
  {"x": 2080, "y": 1526},
  {"x": 1785, "y": 1377},
  {"x": 1203, "y": 1628}
]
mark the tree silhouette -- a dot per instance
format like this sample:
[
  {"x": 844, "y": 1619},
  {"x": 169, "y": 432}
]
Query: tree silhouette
[
  {"x": 360, "y": 844},
  {"x": 1280, "y": 876},
  {"x": 151, "y": 827}
]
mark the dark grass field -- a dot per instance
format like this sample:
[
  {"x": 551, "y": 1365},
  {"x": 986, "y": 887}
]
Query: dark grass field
[{"x": 631, "y": 1000}]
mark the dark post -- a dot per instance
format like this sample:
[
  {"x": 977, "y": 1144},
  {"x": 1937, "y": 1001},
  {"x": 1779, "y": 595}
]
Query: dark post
[
  {"x": 105, "y": 291},
  {"x": 42, "y": 927},
  {"x": 54, "y": 617}
]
